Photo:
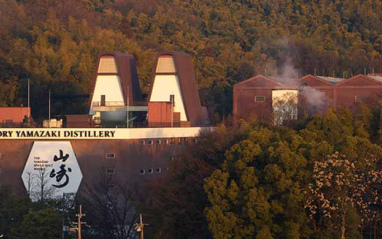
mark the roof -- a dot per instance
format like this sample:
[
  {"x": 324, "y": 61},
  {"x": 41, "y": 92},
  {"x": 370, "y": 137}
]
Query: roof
[
  {"x": 273, "y": 82},
  {"x": 127, "y": 73},
  {"x": 332, "y": 80},
  {"x": 361, "y": 79},
  {"x": 316, "y": 79},
  {"x": 13, "y": 114},
  {"x": 188, "y": 85},
  {"x": 378, "y": 78}
]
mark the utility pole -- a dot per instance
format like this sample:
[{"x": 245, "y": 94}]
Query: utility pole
[
  {"x": 127, "y": 106},
  {"x": 140, "y": 227},
  {"x": 78, "y": 223},
  {"x": 172, "y": 100},
  {"x": 29, "y": 99},
  {"x": 49, "y": 110}
]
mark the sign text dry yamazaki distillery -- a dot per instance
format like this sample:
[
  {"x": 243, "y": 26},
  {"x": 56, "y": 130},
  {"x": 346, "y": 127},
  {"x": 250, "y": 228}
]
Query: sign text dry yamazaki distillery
[{"x": 98, "y": 133}]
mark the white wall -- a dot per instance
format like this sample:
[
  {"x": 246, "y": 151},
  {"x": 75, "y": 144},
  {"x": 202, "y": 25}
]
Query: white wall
[
  {"x": 110, "y": 86},
  {"x": 164, "y": 86}
]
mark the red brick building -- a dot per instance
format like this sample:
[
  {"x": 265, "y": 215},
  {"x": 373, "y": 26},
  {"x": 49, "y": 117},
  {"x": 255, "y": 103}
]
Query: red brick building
[
  {"x": 11, "y": 116},
  {"x": 253, "y": 97}
]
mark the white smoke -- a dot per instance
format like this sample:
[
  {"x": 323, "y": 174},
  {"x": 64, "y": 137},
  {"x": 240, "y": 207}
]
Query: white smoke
[
  {"x": 313, "y": 97},
  {"x": 288, "y": 74}
]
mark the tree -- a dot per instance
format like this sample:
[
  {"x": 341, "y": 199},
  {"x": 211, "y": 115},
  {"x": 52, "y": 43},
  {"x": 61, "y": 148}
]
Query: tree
[
  {"x": 112, "y": 206},
  {"x": 178, "y": 201},
  {"x": 340, "y": 185},
  {"x": 258, "y": 190},
  {"x": 21, "y": 218},
  {"x": 45, "y": 223},
  {"x": 38, "y": 186}
]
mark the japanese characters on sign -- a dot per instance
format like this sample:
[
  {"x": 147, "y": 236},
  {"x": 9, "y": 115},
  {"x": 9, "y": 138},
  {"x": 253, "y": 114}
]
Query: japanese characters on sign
[{"x": 51, "y": 170}]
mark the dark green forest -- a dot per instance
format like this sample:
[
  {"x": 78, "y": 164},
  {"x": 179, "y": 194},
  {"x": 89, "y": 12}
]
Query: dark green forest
[
  {"x": 319, "y": 179},
  {"x": 55, "y": 43}
]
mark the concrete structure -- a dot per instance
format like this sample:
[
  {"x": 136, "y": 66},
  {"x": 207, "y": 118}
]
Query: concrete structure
[
  {"x": 138, "y": 158},
  {"x": 116, "y": 98},
  {"x": 174, "y": 95}
]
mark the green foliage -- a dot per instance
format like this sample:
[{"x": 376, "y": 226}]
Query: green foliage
[
  {"x": 257, "y": 192},
  {"x": 262, "y": 188},
  {"x": 56, "y": 44},
  {"x": 20, "y": 218},
  {"x": 44, "y": 223}
]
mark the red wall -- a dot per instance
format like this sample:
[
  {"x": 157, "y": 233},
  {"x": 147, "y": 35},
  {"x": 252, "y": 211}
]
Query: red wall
[{"x": 130, "y": 157}]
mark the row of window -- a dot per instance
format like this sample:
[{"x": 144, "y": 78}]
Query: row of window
[
  {"x": 150, "y": 171},
  {"x": 111, "y": 171},
  {"x": 357, "y": 98},
  {"x": 167, "y": 141}
]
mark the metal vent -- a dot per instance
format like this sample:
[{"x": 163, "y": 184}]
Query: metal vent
[
  {"x": 107, "y": 65},
  {"x": 166, "y": 65}
]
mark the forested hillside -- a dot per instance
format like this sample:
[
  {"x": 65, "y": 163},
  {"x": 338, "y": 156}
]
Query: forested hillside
[{"x": 55, "y": 43}]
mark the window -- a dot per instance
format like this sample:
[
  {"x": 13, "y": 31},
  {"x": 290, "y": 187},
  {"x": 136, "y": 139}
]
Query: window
[
  {"x": 259, "y": 98},
  {"x": 359, "y": 98},
  {"x": 143, "y": 142},
  {"x": 110, "y": 171},
  {"x": 158, "y": 170},
  {"x": 172, "y": 141},
  {"x": 150, "y": 171},
  {"x": 165, "y": 141},
  {"x": 142, "y": 172},
  {"x": 110, "y": 155},
  {"x": 158, "y": 141},
  {"x": 149, "y": 142}
]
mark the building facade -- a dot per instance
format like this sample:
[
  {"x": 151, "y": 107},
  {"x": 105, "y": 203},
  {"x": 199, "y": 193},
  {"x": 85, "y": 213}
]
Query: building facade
[
  {"x": 255, "y": 96},
  {"x": 124, "y": 136}
]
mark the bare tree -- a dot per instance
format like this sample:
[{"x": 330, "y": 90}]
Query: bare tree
[
  {"x": 284, "y": 108},
  {"x": 40, "y": 186},
  {"x": 113, "y": 206},
  {"x": 29, "y": 182}
]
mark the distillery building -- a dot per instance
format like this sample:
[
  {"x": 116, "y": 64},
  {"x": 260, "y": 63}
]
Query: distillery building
[
  {"x": 263, "y": 96},
  {"x": 125, "y": 135}
]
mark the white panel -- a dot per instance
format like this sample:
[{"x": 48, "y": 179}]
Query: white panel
[
  {"x": 53, "y": 164},
  {"x": 107, "y": 65},
  {"x": 100, "y": 133},
  {"x": 164, "y": 86},
  {"x": 166, "y": 65},
  {"x": 110, "y": 86}
]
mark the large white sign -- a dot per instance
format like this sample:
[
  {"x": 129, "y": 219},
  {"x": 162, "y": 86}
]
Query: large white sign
[
  {"x": 100, "y": 133},
  {"x": 51, "y": 170}
]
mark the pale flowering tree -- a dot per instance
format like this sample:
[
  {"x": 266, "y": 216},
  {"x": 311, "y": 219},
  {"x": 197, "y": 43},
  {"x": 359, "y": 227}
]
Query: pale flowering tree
[
  {"x": 341, "y": 184},
  {"x": 284, "y": 108}
]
